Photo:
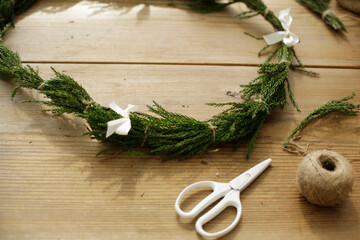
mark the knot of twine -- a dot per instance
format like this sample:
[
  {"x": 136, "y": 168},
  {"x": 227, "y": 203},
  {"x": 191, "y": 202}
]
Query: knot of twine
[
  {"x": 212, "y": 128},
  {"x": 260, "y": 100},
  {"x": 295, "y": 148},
  {"x": 266, "y": 12},
  {"x": 145, "y": 136},
  {"x": 326, "y": 12},
  {"x": 87, "y": 104},
  {"x": 325, "y": 178},
  {"x": 41, "y": 86}
]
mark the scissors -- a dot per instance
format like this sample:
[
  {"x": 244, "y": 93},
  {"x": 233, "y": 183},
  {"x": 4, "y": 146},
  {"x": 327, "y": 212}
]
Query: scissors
[{"x": 231, "y": 197}]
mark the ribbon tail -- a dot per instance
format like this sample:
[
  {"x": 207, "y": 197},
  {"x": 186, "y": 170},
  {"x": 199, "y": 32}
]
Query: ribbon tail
[
  {"x": 113, "y": 126},
  {"x": 131, "y": 108},
  {"x": 284, "y": 12},
  {"x": 117, "y": 109},
  {"x": 125, "y": 127},
  {"x": 275, "y": 37}
]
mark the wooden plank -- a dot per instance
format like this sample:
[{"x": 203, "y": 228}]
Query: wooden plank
[
  {"x": 153, "y": 32},
  {"x": 53, "y": 187}
]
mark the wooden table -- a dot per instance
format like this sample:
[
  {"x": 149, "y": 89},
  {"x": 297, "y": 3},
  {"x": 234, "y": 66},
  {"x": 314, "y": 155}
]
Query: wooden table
[{"x": 53, "y": 187}]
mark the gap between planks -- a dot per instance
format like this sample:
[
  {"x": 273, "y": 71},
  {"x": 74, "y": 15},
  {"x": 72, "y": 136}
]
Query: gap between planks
[{"x": 181, "y": 64}]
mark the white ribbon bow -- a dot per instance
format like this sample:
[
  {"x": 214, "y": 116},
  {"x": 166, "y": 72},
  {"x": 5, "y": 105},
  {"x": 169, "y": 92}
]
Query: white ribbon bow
[
  {"x": 289, "y": 38},
  {"x": 121, "y": 126}
]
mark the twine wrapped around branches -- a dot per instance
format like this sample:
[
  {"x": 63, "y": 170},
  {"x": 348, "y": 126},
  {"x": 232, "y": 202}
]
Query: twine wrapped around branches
[
  {"x": 321, "y": 8},
  {"x": 172, "y": 134}
]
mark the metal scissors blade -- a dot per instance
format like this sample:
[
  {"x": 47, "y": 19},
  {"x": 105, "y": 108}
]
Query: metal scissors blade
[{"x": 244, "y": 179}]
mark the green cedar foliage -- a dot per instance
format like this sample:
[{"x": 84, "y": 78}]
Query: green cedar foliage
[
  {"x": 160, "y": 132},
  {"x": 6, "y": 14},
  {"x": 163, "y": 132},
  {"x": 257, "y": 7},
  {"x": 319, "y": 7},
  {"x": 22, "y": 5},
  {"x": 10, "y": 8},
  {"x": 335, "y": 106},
  {"x": 203, "y": 6}
]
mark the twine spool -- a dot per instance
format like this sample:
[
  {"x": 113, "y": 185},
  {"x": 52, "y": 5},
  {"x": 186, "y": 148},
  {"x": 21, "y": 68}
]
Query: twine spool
[{"x": 325, "y": 178}]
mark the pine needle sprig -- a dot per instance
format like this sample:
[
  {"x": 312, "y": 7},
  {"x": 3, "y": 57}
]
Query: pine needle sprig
[
  {"x": 12, "y": 69},
  {"x": 21, "y": 6},
  {"x": 10, "y": 8},
  {"x": 253, "y": 139},
  {"x": 260, "y": 7},
  {"x": 240, "y": 122},
  {"x": 262, "y": 50},
  {"x": 6, "y": 13},
  {"x": 321, "y": 7},
  {"x": 250, "y": 35},
  {"x": 65, "y": 94},
  {"x": 273, "y": 54},
  {"x": 203, "y": 6},
  {"x": 257, "y": 7},
  {"x": 338, "y": 106},
  {"x": 248, "y": 14},
  {"x": 270, "y": 86}
]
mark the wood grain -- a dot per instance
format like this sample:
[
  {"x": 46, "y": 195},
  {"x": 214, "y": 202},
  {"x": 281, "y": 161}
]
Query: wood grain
[
  {"x": 53, "y": 187},
  {"x": 153, "y": 32}
]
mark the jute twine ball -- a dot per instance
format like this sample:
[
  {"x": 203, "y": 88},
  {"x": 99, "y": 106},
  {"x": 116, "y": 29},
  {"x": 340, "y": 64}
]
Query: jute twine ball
[{"x": 325, "y": 178}]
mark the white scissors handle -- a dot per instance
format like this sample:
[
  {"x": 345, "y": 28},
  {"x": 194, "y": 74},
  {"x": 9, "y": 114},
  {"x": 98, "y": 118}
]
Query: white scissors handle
[
  {"x": 232, "y": 198},
  {"x": 230, "y": 192},
  {"x": 219, "y": 190}
]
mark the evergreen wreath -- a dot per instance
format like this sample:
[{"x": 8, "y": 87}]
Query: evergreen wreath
[{"x": 162, "y": 132}]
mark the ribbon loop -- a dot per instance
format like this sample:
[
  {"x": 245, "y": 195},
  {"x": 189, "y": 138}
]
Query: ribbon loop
[
  {"x": 275, "y": 37},
  {"x": 122, "y": 125},
  {"x": 290, "y": 39},
  {"x": 285, "y": 18}
]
